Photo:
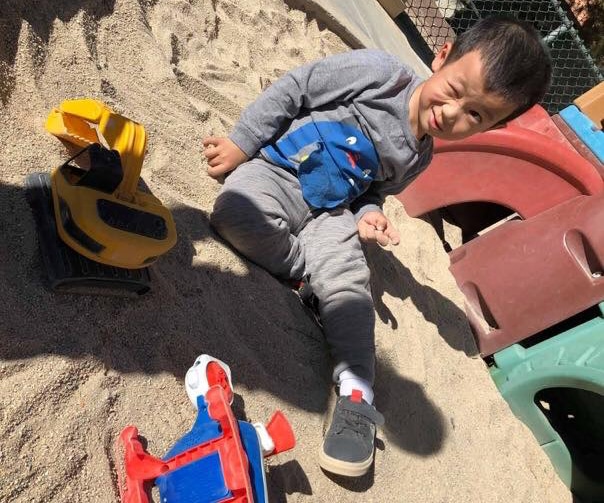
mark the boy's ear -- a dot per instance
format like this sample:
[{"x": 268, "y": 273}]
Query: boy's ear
[{"x": 441, "y": 56}]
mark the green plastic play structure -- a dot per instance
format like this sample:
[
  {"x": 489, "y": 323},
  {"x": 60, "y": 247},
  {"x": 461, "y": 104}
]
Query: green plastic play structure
[{"x": 556, "y": 387}]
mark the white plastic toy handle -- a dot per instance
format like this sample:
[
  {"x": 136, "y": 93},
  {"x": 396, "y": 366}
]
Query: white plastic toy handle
[
  {"x": 266, "y": 442},
  {"x": 196, "y": 379}
]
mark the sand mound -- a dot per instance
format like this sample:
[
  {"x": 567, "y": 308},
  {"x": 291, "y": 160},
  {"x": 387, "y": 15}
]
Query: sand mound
[{"x": 76, "y": 369}]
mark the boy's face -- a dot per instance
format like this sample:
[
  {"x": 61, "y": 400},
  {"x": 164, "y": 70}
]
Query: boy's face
[{"x": 453, "y": 104}]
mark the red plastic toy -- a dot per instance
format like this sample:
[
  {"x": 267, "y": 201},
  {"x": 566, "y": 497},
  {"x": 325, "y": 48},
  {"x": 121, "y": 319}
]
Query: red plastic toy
[{"x": 219, "y": 460}]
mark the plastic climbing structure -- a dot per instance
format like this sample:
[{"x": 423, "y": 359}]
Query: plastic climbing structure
[{"x": 529, "y": 199}]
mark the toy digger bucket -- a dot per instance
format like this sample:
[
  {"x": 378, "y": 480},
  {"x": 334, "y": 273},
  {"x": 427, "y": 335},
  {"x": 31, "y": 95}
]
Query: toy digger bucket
[
  {"x": 100, "y": 212},
  {"x": 84, "y": 122}
]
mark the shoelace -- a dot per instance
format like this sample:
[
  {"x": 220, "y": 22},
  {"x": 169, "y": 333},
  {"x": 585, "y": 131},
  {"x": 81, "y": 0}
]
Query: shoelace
[
  {"x": 366, "y": 414},
  {"x": 349, "y": 420}
]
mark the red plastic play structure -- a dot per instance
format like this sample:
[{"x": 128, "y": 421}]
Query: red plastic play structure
[
  {"x": 505, "y": 166},
  {"x": 525, "y": 276},
  {"x": 531, "y": 273},
  {"x": 529, "y": 200}
]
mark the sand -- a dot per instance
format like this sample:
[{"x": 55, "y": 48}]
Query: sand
[{"x": 76, "y": 369}]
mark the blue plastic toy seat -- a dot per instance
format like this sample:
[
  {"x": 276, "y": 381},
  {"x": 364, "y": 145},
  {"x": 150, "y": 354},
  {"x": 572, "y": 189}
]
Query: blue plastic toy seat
[{"x": 203, "y": 480}]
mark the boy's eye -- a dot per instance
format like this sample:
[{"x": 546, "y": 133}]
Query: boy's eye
[
  {"x": 454, "y": 91},
  {"x": 476, "y": 116}
]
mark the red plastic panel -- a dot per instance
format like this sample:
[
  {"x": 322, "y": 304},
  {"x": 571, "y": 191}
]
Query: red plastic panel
[
  {"x": 527, "y": 166},
  {"x": 527, "y": 275},
  {"x": 537, "y": 119}
]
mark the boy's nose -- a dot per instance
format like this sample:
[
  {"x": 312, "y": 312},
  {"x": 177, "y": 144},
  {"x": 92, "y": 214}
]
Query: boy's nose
[{"x": 449, "y": 112}]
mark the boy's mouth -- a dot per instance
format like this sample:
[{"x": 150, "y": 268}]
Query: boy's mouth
[{"x": 433, "y": 122}]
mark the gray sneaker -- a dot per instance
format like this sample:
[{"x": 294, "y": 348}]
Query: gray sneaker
[
  {"x": 348, "y": 446},
  {"x": 307, "y": 297}
]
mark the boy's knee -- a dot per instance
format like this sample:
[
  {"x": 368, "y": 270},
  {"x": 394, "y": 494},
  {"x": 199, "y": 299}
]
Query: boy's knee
[
  {"x": 231, "y": 214},
  {"x": 224, "y": 209},
  {"x": 228, "y": 208},
  {"x": 241, "y": 201},
  {"x": 242, "y": 219},
  {"x": 222, "y": 212}
]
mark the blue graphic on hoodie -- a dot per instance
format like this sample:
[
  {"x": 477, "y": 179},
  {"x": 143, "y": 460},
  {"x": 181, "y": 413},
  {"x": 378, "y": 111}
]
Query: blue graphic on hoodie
[{"x": 335, "y": 162}]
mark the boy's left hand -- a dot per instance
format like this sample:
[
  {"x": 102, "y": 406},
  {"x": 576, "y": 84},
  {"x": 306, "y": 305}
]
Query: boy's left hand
[
  {"x": 223, "y": 155},
  {"x": 375, "y": 227}
]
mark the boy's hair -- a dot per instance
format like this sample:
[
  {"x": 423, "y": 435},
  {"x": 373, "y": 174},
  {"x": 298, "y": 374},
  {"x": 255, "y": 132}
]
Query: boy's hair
[{"x": 517, "y": 64}]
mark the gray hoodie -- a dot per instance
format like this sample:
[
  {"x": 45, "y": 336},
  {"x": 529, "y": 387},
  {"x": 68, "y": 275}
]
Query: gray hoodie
[{"x": 342, "y": 125}]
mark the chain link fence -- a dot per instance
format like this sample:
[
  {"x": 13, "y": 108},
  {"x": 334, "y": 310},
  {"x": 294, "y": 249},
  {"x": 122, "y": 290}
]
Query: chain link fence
[{"x": 574, "y": 70}]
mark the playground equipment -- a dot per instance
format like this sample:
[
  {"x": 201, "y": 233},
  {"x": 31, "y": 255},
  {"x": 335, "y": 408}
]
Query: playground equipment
[
  {"x": 592, "y": 105},
  {"x": 527, "y": 275},
  {"x": 555, "y": 388},
  {"x": 98, "y": 208},
  {"x": 219, "y": 460},
  {"x": 507, "y": 167},
  {"x": 534, "y": 282}
]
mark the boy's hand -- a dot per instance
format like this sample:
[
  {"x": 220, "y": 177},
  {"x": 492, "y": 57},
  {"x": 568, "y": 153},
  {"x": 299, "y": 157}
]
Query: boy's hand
[
  {"x": 375, "y": 227},
  {"x": 223, "y": 155}
]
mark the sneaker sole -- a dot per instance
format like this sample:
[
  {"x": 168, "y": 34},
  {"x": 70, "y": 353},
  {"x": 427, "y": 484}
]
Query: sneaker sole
[{"x": 346, "y": 468}]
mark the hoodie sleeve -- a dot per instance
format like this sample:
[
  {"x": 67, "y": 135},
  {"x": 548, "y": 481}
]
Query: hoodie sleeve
[
  {"x": 373, "y": 199},
  {"x": 337, "y": 78}
]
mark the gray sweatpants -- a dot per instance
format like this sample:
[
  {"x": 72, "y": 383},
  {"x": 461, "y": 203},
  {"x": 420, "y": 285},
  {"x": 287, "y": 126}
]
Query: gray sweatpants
[{"x": 262, "y": 213}]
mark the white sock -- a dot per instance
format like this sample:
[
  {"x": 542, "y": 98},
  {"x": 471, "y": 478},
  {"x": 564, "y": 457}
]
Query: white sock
[{"x": 348, "y": 380}]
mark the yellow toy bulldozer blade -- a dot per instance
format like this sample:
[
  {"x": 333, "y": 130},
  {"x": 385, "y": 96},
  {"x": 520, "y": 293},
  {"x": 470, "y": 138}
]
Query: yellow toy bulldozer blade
[{"x": 101, "y": 212}]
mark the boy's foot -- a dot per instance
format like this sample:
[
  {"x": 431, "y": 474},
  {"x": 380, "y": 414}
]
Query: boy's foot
[{"x": 348, "y": 446}]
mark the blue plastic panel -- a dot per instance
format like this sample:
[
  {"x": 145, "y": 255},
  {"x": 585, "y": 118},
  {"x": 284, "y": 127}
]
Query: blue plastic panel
[
  {"x": 585, "y": 129},
  {"x": 201, "y": 481}
]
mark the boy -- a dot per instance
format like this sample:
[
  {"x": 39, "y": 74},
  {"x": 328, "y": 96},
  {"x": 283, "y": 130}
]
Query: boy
[{"x": 318, "y": 152}]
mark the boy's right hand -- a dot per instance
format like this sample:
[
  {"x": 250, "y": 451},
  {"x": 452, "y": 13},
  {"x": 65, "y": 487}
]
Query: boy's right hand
[
  {"x": 374, "y": 227},
  {"x": 223, "y": 155}
]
